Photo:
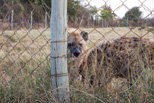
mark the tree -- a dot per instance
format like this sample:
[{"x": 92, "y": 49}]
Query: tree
[
  {"x": 73, "y": 7},
  {"x": 44, "y": 4},
  {"x": 94, "y": 10},
  {"x": 93, "y": 13},
  {"x": 133, "y": 14},
  {"x": 4, "y": 9},
  {"x": 107, "y": 13}
]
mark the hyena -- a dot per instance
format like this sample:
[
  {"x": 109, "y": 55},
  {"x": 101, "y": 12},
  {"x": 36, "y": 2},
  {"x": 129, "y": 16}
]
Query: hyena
[
  {"x": 76, "y": 52},
  {"x": 125, "y": 57}
]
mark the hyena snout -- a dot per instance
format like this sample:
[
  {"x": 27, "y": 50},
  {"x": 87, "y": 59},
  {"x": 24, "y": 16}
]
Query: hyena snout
[{"x": 76, "y": 52}]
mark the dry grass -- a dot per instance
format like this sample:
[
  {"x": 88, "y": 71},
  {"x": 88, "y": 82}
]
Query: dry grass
[{"x": 24, "y": 58}]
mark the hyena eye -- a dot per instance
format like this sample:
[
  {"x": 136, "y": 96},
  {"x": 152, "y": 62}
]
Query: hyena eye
[
  {"x": 69, "y": 45},
  {"x": 80, "y": 44}
]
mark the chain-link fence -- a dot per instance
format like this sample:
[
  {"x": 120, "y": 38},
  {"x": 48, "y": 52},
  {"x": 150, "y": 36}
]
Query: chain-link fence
[
  {"x": 25, "y": 50},
  {"x": 118, "y": 70}
]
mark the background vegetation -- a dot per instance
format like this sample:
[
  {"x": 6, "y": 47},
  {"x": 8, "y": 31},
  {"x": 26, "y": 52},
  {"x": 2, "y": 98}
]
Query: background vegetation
[{"x": 79, "y": 15}]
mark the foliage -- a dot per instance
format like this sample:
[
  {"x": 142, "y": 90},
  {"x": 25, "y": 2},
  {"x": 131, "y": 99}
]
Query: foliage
[
  {"x": 72, "y": 7},
  {"x": 22, "y": 7},
  {"x": 93, "y": 12},
  {"x": 106, "y": 13},
  {"x": 133, "y": 14},
  {"x": 4, "y": 8}
]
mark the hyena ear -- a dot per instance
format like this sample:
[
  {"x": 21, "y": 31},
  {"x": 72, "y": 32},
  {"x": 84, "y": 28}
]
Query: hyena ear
[{"x": 84, "y": 35}]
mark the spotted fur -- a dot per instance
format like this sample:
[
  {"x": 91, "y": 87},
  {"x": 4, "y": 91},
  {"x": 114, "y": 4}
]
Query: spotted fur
[{"x": 125, "y": 57}]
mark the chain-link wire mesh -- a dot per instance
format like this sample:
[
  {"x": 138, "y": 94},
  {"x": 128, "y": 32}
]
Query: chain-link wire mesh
[
  {"x": 25, "y": 50},
  {"x": 109, "y": 57}
]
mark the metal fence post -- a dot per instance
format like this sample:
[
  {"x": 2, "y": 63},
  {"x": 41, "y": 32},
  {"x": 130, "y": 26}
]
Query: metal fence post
[
  {"x": 12, "y": 15},
  {"x": 31, "y": 20},
  {"x": 59, "y": 73},
  {"x": 88, "y": 21},
  {"x": 118, "y": 22},
  {"x": 46, "y": 15},
  {"x": 127, "y": 21}
]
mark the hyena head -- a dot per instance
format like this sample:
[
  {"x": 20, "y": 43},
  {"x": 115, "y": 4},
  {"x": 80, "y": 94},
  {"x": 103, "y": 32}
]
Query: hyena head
[{"x": 76, "y": 46}]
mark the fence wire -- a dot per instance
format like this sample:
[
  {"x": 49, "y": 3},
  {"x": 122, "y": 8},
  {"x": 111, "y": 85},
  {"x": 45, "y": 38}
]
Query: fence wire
[{"x": 25, "y": 50}]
